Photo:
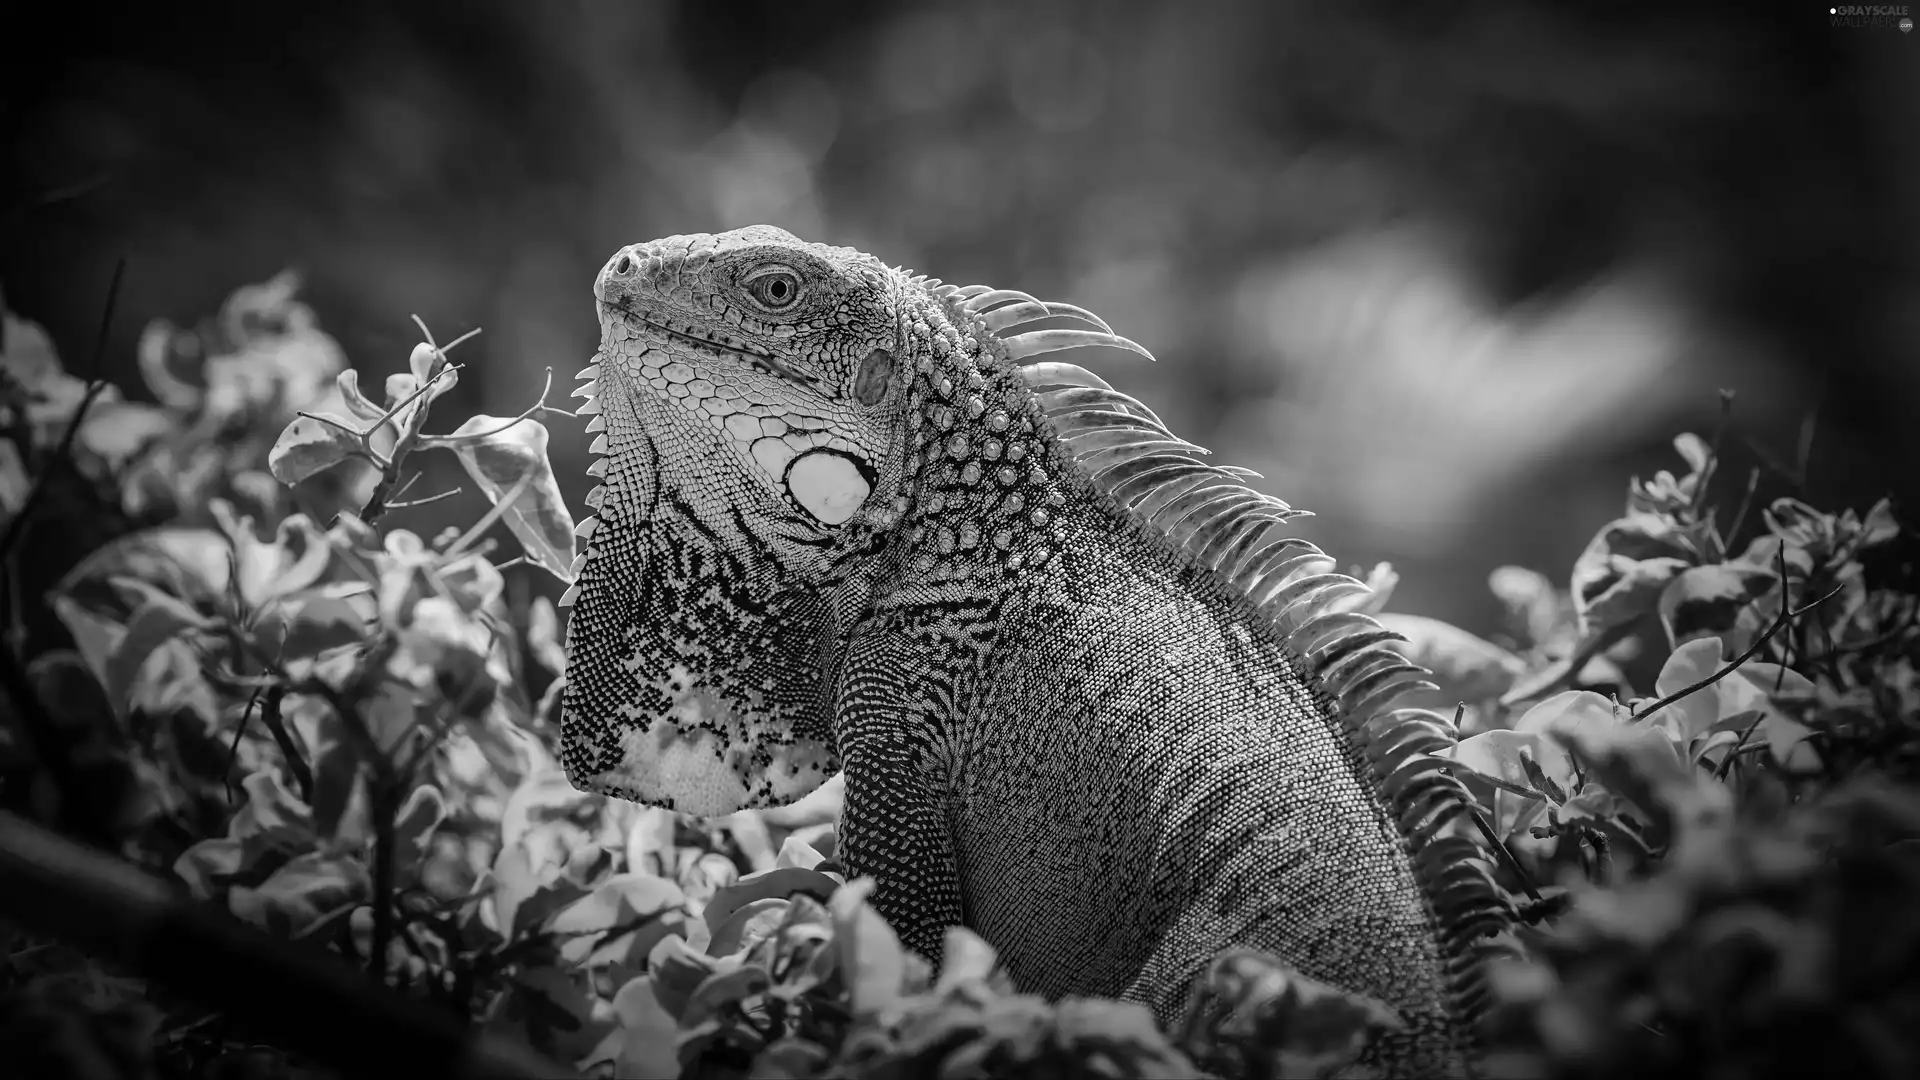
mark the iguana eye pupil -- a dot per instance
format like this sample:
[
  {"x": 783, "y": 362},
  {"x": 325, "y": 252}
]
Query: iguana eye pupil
[{"x": 774, "y": 289}]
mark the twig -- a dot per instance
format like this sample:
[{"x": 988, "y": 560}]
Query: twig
[
  {"x": 1787, "y": 615},
  {"x": 529, "y": 411},
  {"x": 37, "y": 725},
  {"x": 386, "y": 807},
  {"x": 1906, "y": 624},
  {"x": 407, "y": 437},
  {"x": 1712, "y": 465},
  {"x": 486, "y": 520},
  {"x": 1720, "y": 770},
  {"x": 408, "y": 485},
  {"x": 296, "y": 761},
  {"x": 95, "y": 387},
  {"x": 424, "y": 500},
  {"x": 1746, "y": 504},
  {"x": 239, "y": 730},
  {"x": 1506, "y": 856}
]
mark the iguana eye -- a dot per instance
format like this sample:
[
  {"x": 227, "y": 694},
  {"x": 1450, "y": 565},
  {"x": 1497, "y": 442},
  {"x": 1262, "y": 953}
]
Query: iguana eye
[{"x": 773, "y": 287}]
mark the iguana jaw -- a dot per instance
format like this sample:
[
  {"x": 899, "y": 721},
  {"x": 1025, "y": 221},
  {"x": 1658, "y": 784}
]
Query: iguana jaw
[{"x": 642, "y": 324}]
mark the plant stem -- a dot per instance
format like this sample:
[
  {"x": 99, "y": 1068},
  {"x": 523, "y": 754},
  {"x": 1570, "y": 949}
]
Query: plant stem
[{"x": 1787, "y": 615}]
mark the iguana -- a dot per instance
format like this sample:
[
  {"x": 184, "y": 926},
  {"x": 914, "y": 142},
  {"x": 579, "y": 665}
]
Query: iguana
[{"x": 1086, "y": 696}]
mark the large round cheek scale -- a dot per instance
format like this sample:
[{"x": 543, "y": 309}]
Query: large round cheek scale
[{"x": 827, "y": 485}]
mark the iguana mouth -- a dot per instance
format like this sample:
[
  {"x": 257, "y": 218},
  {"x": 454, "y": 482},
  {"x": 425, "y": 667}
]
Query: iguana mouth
[{"x": 711, "y": 344}]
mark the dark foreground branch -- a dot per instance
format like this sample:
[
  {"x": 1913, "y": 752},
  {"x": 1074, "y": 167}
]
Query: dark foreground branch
[{"x": 306, "y": 1000}]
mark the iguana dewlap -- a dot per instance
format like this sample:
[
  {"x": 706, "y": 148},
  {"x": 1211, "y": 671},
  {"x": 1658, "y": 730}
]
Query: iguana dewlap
[{"x": 1087, "y": 696}]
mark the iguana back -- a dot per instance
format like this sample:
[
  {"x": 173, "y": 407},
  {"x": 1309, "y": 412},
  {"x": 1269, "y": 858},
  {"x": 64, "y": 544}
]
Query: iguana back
[{"x": 1087, "y": 697}]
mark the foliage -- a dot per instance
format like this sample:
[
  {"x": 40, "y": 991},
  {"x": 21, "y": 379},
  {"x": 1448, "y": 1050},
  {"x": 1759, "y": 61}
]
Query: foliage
[{"x": 342, "y": 733}]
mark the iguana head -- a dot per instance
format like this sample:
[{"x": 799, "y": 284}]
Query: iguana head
[
  {"x": 747, "y": 400},
  {"x": 779, "y": 422}
]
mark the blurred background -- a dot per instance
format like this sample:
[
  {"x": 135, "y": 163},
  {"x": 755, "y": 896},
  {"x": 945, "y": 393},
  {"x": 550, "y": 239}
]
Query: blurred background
[{"x": 1446, "y": 274}]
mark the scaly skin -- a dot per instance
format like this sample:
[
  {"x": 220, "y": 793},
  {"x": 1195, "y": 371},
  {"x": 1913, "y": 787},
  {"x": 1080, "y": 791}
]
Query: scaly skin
[{"x": 1107, "y": 722}]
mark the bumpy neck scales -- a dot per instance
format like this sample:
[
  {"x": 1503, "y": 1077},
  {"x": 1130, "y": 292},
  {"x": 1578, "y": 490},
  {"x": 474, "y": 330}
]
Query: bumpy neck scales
[{"x": 785, "y": 472}]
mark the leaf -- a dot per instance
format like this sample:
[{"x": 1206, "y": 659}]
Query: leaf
[
  {"x": 1710, "y": 601},
  {"x": 797, "y": 852},
  {"x": 206, "y": 865},
  {"x": 619, "y": 901},
  {"x": 293, "y": 560},
  {"x": 117, "y": 431},
  {"x": 1491, "y": 766},
  {"x": 543, "y": 635},
  {"x": 513, "y": 881},
  {"x": 355, "y": 400},
  {"x": 779, "y": 882},
  {"x": 312, "y": 624},
  {"x": 559, "y": 1011},
  {"x": 1467, "y": 667},
  {"x": 473, "y": 581},
  {"x": 1293, "y": 1025},
  {"x": 646, "y": 1032},
  {"x": 790, "y": 1058},
  {"x": 1879, "y": 526},
  {"x": 307, "y": 447},
  {"x": 1534, "y": 609},
  {"x": 95, "y": 637},
  {"x": 1696, "y": 713},
  {"x": 500, "y": 462},
  {"x": 722, "y": 988},
  {"x": 270, "y": 807},
  {"x": 14, "y": 481},
  {"x": 1694, "y": 450},
  {"x": 336, "y": 775},
  {"x": 1619, "y": 576},
  {"x": 424, "y": 361},
  {"x": 870, "y": 955},
  {"x": 156, "y": 623},
  {"x": 678, "y": 969},
  {"x": 413, "y": 826},
  {"x": 1786, "y": 741},
  {"x": 748, "y": 924},
  {"x": 541, "y": 797},
  {"x": 299, "y": 893},
  {"x": 521, "y": 898},
  {"x": 650, "y": 841},
  {"x": 967, "y": 958},
  {"x": 390, "y": 713},
  {"x": 1637, "y": 763}
]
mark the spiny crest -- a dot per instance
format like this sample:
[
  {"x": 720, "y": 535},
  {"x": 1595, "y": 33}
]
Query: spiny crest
[
  {"x": 596, "y": 425},
  {"x": 1207, "y": 512}
]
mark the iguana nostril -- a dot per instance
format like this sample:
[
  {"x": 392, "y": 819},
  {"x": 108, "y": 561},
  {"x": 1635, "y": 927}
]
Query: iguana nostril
[{"x": 623, "y": 265}]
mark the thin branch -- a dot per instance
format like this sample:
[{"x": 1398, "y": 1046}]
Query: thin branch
[
  {"x": 486, "y": 520},
  {"x": 404, "y": 403},
  {"x": 386, "y": 808},
  {"x": 1786, "y": 616},
  {"x": 1506, "y": 856},
  {"x": 425, "y": 500},
  {"x": 96, "y": 386},
  {"x": 270, "y": 717},
  {"x": 240, "y": 729},
  {"x": 1746, "y": 504},
  {"x": 1713, "y": 453},
  {"x": 538, "y": 406},
  {"x": 407, "y": 485}
]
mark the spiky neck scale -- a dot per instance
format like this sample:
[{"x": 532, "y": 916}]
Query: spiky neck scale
[{"x": 982, "y": 488}]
